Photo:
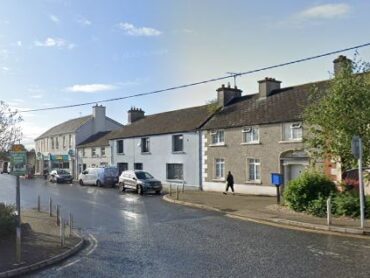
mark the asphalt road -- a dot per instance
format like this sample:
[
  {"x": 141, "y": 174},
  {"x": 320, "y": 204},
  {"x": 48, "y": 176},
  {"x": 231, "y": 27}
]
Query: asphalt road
[{"x": 143, "y": 236}]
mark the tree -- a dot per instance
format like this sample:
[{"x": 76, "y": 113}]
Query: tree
[
  {"x": 10, "y": 131},
  {"x": 338, "y": 112}
]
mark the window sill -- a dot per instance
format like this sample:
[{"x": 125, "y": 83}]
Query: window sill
[
  {"x": 120, "y": 153},
  {"x": 251, "y": 143},
  {"x": 217, "y": 145},
  {"x": 218, "y": 180},
  {"x": 175, "y": 180},
  {"x": 145, "y": 153},
  {"x": 179, "y": 152},
  {"x": 291, "y": 141},
  {"x": 256, "y": 182}
]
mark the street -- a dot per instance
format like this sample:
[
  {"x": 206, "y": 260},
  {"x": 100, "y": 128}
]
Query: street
[{"x": 143, "y": 236}]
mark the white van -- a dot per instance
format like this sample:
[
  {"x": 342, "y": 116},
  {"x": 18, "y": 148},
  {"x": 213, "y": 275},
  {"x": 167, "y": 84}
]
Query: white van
[{"x": 99, "y": 176}]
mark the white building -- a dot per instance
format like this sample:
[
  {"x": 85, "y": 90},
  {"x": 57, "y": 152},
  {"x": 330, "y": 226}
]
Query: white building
[
  {"x": 56, "y": 148},
  {"x": 167, "y": 144}
]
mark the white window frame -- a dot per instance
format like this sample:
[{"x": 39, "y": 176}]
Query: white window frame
[
  {"x": 216, "y": 134},
  {"x": 93, "y": 152},
  {"x": 147, "y": 141},
  {"x": 123, "y": 147},
  {"x": 173, "y": 143},
  {"x": 293, "y": 128},
  {"x": 219, "y": 162},
  {"x": 255, "y": 136},
  {"x": 167, "y": 172},
  {"x": 256, "y": 172},
  {"x": 102, "y": 151}
]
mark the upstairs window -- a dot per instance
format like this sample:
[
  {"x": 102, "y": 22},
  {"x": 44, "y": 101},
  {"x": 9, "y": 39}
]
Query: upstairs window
[
  {"x": 52, "y": 143},
  {"x": 217, "y": 137},
  {"x": 56, "y": 143},
  {"x": 145, "y": 145},
  {"x": 292, "y": 131},
  {"x": 178, "y": 143},
  {"x": 83, "y": 152},
  {"x": 250, "y": 135},
  {"x": 119, "y": 146},
  {"x": 93, "y": 152},
  {"x": 64, "y": 142},
  {"x": 70, "y": 140},
  {"x": 102, "y": 151}
]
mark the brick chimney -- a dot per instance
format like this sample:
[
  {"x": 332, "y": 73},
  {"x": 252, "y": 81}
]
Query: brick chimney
[
  {"x": 98, "y": 113},
  {"x": 342, "y": 63},
  {"x": 135, "y": 114},
  {"x": 226, "y": 94},
  {"x": 267, "y": 86}
]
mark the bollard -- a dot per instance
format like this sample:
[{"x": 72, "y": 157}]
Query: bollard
[
  {"x": 70, "y": 224},
  {"x": 328, "y": 211},
  {"x": 38, "y": 203},
  {"x": 58, "y": 212},
  {"x": 50, "y": 207},
  {"x": 61, "y": 231},
  {"x": 177, "y": 192},
  {"x": 170, "y": 189},
  {"x": 183, "y": 186}
]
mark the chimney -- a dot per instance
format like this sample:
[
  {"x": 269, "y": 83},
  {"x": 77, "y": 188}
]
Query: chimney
[
  {"x": 342, "y": 63},
  {"x": 135, "y": 114},
  {"x": 226, "y": 94},
  {"x": 267, "y": 86},
  {"x": 98, "y": 114}
]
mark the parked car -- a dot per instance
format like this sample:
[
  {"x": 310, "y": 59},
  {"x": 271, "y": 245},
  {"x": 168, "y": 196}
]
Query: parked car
[
  {"x": 139, "y": 180},
  {"x": 60, "y": 176},
  {"x": 99, "y": 176}
]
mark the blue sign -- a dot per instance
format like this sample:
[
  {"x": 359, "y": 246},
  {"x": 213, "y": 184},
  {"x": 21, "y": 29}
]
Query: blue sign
[{"x": 277, "y": 179}]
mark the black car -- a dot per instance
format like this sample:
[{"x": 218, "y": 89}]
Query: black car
[{"x": 60, "y": 176}]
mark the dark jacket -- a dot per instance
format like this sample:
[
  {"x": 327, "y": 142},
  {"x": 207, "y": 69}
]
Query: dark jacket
[{"x": 230, "y": 179}]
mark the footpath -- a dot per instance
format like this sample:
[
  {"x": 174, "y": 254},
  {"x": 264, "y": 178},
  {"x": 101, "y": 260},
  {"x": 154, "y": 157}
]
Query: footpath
[
  {"x": 264, "y": 210},
  {"x": 40, "y": 245}
]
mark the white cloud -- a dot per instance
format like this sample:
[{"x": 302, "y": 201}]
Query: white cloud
[
  {"x": 55, "y": 42},
  {"x": 326, "y": 11},
  {"x": 84, "y": 21},
  {"x": 5, "y": 69},
  {"x": 91, "y": 88},
  {"x": 19, "y": 43},
  {"x": 54, "y": 18},
  {"x": 132, "y": 30},
  {"x": 37, "y": 96}
]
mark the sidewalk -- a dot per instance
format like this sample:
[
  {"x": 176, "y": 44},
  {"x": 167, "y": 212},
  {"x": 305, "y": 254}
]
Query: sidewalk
[
  {"x": 40, "y": 243},
  {"x": 265, "y": 209}
]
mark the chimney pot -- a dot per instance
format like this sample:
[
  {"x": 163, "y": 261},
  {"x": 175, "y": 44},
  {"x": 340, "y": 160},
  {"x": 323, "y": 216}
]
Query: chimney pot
[
  {"x": 267, "y": 86},
  {"x": 135, "y": 114},
  {"x": 342, "y": 63},
  {"x": 226, "y": 94}
]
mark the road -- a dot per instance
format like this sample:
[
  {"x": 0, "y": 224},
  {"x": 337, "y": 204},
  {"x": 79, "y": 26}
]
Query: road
[{"x": 143, "y": 236}]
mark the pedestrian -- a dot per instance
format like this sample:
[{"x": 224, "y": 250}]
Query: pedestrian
[{"x": 229, "y": 183}]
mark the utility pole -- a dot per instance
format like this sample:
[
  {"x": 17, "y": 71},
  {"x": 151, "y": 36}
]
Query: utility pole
[{"x": 357, "y": 151}]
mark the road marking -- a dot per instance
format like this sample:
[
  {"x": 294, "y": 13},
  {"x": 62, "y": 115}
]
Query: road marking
[
  {"x": 95, "y": 245},
  {"x": 68, "y": 265}
]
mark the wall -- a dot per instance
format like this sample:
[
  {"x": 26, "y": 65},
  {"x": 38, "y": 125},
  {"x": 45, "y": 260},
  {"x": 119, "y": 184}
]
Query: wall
[
  {"x": 161, "y": 154},
  {"x": 236, "y": 153},
  {"x": 89, "y": 160}
]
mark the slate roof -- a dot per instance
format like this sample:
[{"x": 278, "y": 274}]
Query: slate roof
[
  {"x": 66, "y": 127},
  {"x": 283, "y": 105},
  {"x": 96, "y": 140},
  {"x": 182, "y": 120}
]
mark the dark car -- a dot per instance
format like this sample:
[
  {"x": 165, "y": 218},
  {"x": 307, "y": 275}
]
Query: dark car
[
  {"x": 139, "y": 180},
  {"x": 60, "y": 176}
]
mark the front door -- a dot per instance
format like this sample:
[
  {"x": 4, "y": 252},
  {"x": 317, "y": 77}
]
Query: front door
[{"x": 295, "y": 170}]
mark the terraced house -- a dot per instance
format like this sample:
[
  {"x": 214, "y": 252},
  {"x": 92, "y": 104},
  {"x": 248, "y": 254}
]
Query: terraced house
[
  {"x": 256, "y": 135},
  {"x": 166, "y": 144}
]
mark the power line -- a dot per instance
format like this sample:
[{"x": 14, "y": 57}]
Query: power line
[{"x": 234, "y": 75}]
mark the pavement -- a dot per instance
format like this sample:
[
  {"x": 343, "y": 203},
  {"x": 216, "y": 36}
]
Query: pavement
[
  {"x": 265, "y": 210},
  {"x": 40, "y": 244}
]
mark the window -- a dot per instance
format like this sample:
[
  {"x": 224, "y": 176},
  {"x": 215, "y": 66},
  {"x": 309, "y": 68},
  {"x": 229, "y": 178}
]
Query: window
[
  {"x": 178, "y": 143},
  {"x": 220, "y": 168},
  {"x": 64, "y": 142},
  {"x": 217, "y": 137},
  {"x": 250, "y": 135},
  {"x": 254, "y": 169},
  {"x": 52, "y": 143},
  {"x": 122, "y": 167},
  {"x": 102, "y": 151},
  {"x": 138, "y": 166},
  {"x": 83, "y": 152},
  {"x": 175, "y": 171},
  {"x": 93, "y": 152},
  {"x": 70, "y": 140},
  {"x": 292, "y": 131},
  {"x": 145, "y": 145},
  {"x": 120, "y": 146},
  {"x": 56, "y": 143}
]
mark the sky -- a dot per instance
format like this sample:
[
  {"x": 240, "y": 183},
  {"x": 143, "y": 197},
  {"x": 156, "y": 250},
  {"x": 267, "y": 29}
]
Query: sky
[{"x": 62, "y": 52}]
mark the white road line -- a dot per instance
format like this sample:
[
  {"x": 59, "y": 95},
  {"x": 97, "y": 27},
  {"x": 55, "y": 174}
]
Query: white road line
[
  {"x": 68, "y": 265},
  {"x": 95, "y": 245}
]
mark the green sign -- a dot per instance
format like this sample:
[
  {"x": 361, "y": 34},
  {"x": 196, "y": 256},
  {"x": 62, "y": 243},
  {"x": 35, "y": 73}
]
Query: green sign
[{"x": 18, "y": 162}]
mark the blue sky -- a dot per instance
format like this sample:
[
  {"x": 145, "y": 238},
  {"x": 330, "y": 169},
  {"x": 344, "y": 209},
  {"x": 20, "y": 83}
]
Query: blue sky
[{"x": 56, "y": 52}]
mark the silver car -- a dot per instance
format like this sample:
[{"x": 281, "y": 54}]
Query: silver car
[{"x": 139, "y": 180}]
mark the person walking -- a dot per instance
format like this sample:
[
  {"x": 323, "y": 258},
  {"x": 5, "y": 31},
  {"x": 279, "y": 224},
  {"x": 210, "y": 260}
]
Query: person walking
[{"x": 229, "y": 183}]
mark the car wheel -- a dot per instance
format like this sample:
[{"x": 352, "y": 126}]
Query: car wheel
[
  {"x": 158, "y": 192},
  {"x": 140, "y": 190},
  {"x": 98, "y": 183},
  {"x": 81, "y": 182},
  {"x": 121, "y": 187}
]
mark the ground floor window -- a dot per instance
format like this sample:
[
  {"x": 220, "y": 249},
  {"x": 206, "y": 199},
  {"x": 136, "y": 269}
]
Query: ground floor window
[
  {"x": 254, "y": 169},
  {"x": 138, "y": 166},
  {"x": 60, "y": 165},
  {"x": 219, "y": 168},
  {"x": 122, "y": 167},
  {"x": 175, "y": 171}
]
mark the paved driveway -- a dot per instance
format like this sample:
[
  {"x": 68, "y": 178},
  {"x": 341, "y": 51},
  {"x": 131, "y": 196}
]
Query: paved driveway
[{"x": 143, "y": 236}]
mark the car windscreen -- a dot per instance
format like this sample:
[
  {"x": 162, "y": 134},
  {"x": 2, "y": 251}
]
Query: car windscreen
[
  {"x": 111, "y": 172},
  {"x": 62, "y": 172},
  {"x": 143, "y": 175}
]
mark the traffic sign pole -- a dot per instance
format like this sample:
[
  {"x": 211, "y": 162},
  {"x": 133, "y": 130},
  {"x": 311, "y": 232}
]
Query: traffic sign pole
[
  {"x": 361, "y": 186},
  {"x": 18, "y": 229}
]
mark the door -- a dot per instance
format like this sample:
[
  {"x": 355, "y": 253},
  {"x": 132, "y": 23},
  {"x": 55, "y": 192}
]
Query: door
[{"x": 295, "y": 170}]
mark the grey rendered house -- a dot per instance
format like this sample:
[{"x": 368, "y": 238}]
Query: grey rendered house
[
  {"x": 56, "y": 148},
  {"x": 166, "y": 144}
]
